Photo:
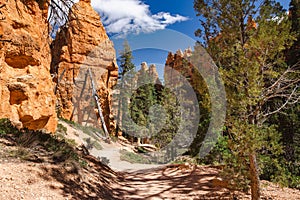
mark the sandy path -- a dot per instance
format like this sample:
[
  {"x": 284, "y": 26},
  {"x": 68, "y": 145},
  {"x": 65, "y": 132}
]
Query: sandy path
[
  {"x": 172, "y": 183},
  {"x": 110, "y": 151}
]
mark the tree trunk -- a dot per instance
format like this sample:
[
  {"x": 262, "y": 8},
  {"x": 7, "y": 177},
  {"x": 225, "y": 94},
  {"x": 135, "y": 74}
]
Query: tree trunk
[
  {"x": 254, "y": 176},
  {"x": 98, "y": 105},
  {"x": 139, "y": 142}
]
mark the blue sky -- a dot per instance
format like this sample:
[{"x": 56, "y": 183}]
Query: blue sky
[
  {"x": 127, "y": 16},
  {"x": 141, "y": 19}
]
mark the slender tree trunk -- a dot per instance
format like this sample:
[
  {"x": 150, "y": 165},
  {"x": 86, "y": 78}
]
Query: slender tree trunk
[
  {"x": 254, "y": 176},
  {"x": 97, "y": 100},
  {"x": 120, "y": 103}
]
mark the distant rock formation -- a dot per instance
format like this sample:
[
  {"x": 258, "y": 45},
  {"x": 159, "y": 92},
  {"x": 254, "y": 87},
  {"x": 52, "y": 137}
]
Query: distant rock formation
[
  {"x": 154, "y": 74},
  {"x": 26, "y": 88},
  {"x": 178, "y": 62},
  {"x": 150, "y": 72},
  {"x": 82, "y": 44},
  {"x": 178, "y": 66}
]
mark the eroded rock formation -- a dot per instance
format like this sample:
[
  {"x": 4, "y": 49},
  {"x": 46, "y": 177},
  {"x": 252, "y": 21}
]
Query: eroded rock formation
[
  {"x": 81, "y": 45},
  {"x": 180, "y": 63},
  {"x": 148, "y": 72},
  {"x": 26, "y": 88}
]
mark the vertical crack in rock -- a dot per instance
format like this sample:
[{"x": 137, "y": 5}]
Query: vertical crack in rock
[{"x": 82, "y": 44}]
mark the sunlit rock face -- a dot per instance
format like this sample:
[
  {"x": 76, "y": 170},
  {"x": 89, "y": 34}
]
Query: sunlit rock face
[
  {"x": 81, "y": 45},
  {"x": 26, "y": 88}
]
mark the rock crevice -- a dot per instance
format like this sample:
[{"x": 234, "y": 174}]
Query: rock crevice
[{"x": 80, "y": 45}]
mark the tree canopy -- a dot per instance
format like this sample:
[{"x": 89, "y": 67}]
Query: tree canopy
[{"x": 248, "y": 39}]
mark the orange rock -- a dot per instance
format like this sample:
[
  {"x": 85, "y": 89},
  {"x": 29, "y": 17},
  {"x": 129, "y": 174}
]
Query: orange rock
[
  {"x": 84, "y": 44},
  {"x": 26, "y": 89}
]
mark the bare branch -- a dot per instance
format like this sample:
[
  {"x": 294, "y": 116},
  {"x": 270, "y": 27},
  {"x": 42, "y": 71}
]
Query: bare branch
[
  {"x": 282, "y": 85},
  {"x": 292, "y": 99},
  {"x": 60, "y": 12}
]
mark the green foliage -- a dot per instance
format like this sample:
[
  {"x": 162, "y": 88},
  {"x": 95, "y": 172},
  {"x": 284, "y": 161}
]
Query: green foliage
[
  {"x": 218, "y": 154},
  {"x": 133, "y": 157},
  {"x": 293, "y": 54},
  {"x": 245, "y": 139},
  {"x": 250, "y": 54},
  {"x": 6, "y": 127},
  {"x": 141, "y": 101},
  {"x": 184, "y": 160},
  {"x": 92, "y": 144},
  {"x": 126, "y": 75},
  {"x": 287, "y": 124},
  {"x": 21, "y": 153},
  {"x": 171, "y": 107},
  {"x": 233, "y": 152},
  {"x": 61, "y": 130},
  {"x": 125, "y": 59}
]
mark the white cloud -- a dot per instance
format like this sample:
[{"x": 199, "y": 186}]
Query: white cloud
[{"x": 132, "y": 16}]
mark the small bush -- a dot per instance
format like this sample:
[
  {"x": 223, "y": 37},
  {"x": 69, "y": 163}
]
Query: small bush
[
  {"x": 6, "y": 127},
  {"x": 133, "y": 157},
  {"x": 92, "y": 144},
  {"x": 31, "y": 142}
]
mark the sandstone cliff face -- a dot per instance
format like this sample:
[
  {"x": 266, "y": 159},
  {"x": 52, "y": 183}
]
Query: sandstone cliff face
[
  {"x": 81, "y": 45},
  {"x": 26, "y": 88}
]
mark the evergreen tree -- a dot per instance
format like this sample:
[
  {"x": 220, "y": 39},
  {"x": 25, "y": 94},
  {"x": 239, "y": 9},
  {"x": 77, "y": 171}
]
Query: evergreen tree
[
  {"x": 287, "y": 120},
  {"x": 293, "y": 53},
  {"x": 145, "y": 97},
  {"x": 126, "y": 68},
  {"x": 125, "y": 60},
  {"x": 249, "y": 52}
]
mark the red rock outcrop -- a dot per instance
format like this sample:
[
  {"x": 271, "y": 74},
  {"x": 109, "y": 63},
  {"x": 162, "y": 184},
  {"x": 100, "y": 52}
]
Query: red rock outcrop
[
  {"x": 179, "y": 67},
  {"x": 81, "y": 45},
  {"x": 178, "y": 62},
  {"x": 26, "y": 88}
]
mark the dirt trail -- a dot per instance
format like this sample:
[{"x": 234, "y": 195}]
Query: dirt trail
[
  {"x": 34, "y": 174},
  {"x": 110, "y": 151},
  {"x": 173, "y": 183}
]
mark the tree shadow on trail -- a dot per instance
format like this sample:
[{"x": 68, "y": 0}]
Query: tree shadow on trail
[
  {"x": 91, "y": 182},
  {"x": 172, "y": 183},
  {"x": 78, "y": 176}
]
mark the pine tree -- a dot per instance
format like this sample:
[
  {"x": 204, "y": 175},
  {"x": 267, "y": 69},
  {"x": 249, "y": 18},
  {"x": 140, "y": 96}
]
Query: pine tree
[
  {"x": 287, "y": 120},
  {"x": 145, "y": 97},
  {"x": 126, "y": 69},
  {"x": 125, "y": 60},
  {"x": 293, "y": 53},
  {"x": 249, "y": 52}
]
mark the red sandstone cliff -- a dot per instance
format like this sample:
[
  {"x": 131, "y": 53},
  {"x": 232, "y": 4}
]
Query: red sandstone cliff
[
  {"x": 80, "y": 45},
  {"x": 26, "y": 88}
]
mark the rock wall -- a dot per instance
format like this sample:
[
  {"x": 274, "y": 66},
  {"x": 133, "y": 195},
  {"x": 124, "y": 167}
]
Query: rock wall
[
  {"x": 26, "y": 88},
  {"x": 81, "y": 45}
]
